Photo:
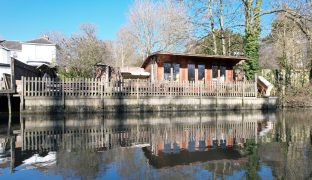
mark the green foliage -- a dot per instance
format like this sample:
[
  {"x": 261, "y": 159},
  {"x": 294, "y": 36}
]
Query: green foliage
[
  {"x": 287, "y": 70},
  {"x": 288, "y": 136},
  {"x": 251, "y": 48},
  {"x": 252, "y": 165},
  {"x": 251, "y": 38},
  {"x": 73, "y": 72}
]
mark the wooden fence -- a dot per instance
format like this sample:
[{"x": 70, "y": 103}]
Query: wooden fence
[{"x": 96, "y": 87}]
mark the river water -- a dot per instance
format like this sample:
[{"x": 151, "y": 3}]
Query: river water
[{"x": 170, "y": 145}]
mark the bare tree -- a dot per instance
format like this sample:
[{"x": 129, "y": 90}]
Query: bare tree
[
  {"x": 158, "y": 26},
  {"x": 215, "y": 18},
  {"x": 59, "y": 39},
  {"x": 299, "y": 14},
  {"x": 79, "y": 53},
  {"x": 222, "y": 27},
  {"x": 210, "y": 16},
  {"x": 124, "y": 49}
]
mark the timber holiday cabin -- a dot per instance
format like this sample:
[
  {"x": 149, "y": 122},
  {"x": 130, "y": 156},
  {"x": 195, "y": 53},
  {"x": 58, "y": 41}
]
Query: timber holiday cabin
[{"x": 191, "y": 67}]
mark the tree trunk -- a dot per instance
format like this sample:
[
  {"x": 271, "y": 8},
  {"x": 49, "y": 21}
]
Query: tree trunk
[
  {"x": 222, "y": 28},
  {"x": 215, "y": 49},
  {"x": 229, "y": 45}
]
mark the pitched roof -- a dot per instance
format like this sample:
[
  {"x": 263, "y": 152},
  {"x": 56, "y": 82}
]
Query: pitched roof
[
  {"x": 12, "y": 45},
  {"x": 3, "y": 47},
  {"x": 40, "y": 41},
  {"x": 221, "y": 57}
]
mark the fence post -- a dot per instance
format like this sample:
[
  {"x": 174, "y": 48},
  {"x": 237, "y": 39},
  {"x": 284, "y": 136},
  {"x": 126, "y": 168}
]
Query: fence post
[
  {"x": 9, "y": 104},
  {"x": 243, "y": 96},
  {"x": 256, "y": 89},
  {"x": 201, "y": 94},
  {"x": 137, "y": 90},
  {"x": 217, "y": 94},
  {"x": 22, "y": 107},
  {"x": 63, "y": 93},
  {"x": 102, "y": 92}
]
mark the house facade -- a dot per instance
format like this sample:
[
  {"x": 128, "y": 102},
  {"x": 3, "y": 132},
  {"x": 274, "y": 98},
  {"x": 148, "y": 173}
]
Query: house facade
[
  {"x": 4, "y": 60},
  {"x": 190, "y": 67},
  {"x": 38, "y": 51},
  {"x": 35, "y": 52}
]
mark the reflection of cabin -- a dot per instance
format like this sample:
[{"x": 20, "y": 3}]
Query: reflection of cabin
[
  {"x": 190, "y": 67},
  {"x": 185, "y": 157}
]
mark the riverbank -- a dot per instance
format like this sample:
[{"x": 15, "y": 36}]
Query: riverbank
[{"x": 297, "y": 98}]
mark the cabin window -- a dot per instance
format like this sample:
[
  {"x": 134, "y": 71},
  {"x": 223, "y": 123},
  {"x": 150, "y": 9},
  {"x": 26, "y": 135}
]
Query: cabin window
[
  {"x": 176, "y": 72},
  {"x": 214, "y": 72},
  {"x": 201, "y": 72},
  {"x": 222, "y": 73},
  {"x": 167, "y": 73},
  {"x": 191, "y": 72}
]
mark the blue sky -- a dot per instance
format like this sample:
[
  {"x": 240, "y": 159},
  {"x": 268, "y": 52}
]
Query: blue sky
[{"x": 27, "y": 19}]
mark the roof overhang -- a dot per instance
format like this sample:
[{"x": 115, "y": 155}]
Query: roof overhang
[
  {"x": 134, "y": 72},
  {"x": 236, "y": 59},
  {"x": 37, "y": 44}
]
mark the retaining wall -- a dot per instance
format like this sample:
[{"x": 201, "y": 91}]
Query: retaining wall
[{"x": 144, "y": 104}]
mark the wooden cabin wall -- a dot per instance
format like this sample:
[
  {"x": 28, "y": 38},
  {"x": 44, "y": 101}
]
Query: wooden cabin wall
[{"x": 184, "y": 61}]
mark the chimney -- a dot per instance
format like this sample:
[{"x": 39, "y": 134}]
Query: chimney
[{"x": 45, "y": 37}]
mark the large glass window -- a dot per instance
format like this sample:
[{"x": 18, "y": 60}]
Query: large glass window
[
  {"x": 222, "y": 73},
  {"x": 176, "y": 72},
  {"x": 167, "y": 74},
  {"x": 214, "y": 72},
  {"x": 201, "y": 72},
  {"x": 191, "y": 72}
]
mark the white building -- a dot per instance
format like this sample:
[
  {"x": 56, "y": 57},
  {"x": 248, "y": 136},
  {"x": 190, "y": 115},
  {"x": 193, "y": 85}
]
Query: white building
[
  {"x": 4, "y": 60},
  {"x": 35, "y": 52},
  {"x": 38, "y": 51}
]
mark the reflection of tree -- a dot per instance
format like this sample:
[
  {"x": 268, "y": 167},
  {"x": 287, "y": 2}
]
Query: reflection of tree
[
  {"x": 223, "y": 168},
  {"x": 290, "y": 156},
  {"x": 83, "y": 163},
  {"x": 132, "y": 164},
  {"x": 252, "y": 164}
]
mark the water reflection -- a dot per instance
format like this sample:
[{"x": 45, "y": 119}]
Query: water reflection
[
  {"x": 163, "y": 133},
  {"x": 287, "y": 148},
  {"x": 164, "y": 145}
]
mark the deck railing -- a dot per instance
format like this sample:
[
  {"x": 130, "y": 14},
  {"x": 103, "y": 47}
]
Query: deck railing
[{"x": 97, "y": 87}]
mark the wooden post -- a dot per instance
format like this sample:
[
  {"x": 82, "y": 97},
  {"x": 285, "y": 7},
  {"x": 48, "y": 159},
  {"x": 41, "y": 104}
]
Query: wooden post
[
  {"x": 22, "y": 106},
  {"x": 22, "y": 132},
  {"x": 36, "y": 90},
  {"x": 63, "y": 93},
  {"x": 13, "y": 89},
  {"x": 12, "y": 146},
  {"x": 9, "y": 119},
  {"x": 201, "y": 94},
  {"x": 137, "y": 90},
  {"x": 102, "y": 92},
  {"x": 256, "y": 89},
  {"x": 106, "y": 73},
  {"x": 9, "y": 104},
  {"x": 243, "y": 96},
  {"x": 217, "y": 94}
]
